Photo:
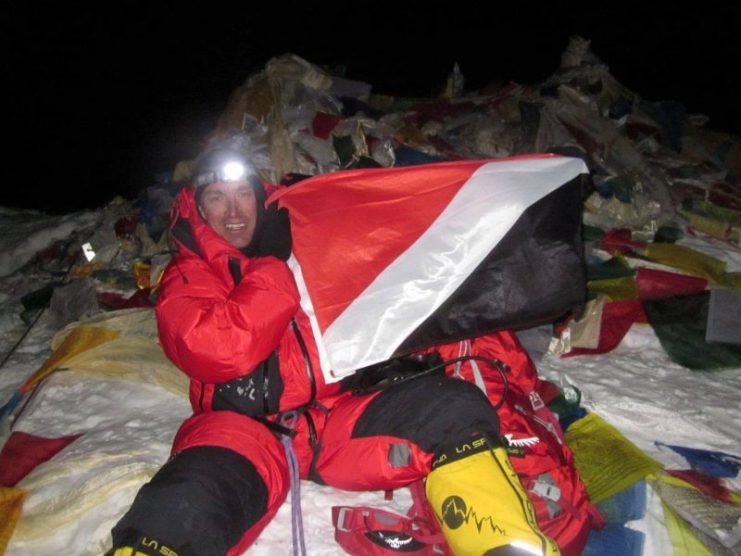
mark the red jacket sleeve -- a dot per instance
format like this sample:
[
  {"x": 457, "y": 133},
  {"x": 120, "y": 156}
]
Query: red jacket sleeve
[{"x": 214, "y": 332}]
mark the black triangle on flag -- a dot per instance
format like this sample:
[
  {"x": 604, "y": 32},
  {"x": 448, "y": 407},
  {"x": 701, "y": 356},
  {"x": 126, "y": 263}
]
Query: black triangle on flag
[{"x": 535, "y": 275}]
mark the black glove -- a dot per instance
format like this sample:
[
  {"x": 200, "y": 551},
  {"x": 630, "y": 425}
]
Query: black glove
[{"x": 274, "y": 234}]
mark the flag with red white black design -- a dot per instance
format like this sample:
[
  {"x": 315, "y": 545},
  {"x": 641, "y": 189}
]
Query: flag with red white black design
[{"x": 392, "y": 260}]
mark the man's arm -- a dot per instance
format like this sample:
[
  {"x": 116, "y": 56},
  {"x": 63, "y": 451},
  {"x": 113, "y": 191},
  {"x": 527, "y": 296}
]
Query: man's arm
[{"x": 215, "y": 333}]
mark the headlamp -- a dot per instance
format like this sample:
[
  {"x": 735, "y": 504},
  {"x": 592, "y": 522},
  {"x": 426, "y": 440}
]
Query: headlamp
[{"x": 230, "y": 171}]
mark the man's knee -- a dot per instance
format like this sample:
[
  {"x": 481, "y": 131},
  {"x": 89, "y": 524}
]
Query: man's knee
[
  {"x": 227, "y": 478},
  {"x": 202, "y": 501},
  {"x": 428, "y": 411}
]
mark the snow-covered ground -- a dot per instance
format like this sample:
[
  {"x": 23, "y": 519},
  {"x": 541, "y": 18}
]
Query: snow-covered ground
[{"x": 128, "y": 425}]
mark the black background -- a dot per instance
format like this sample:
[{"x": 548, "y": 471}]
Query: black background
[{"x": 100, "y": 99}]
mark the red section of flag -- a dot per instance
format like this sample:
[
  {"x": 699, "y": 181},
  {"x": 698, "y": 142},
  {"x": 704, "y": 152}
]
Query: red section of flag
[
  {"x": 140, "y": 298},
  {"x": 617, "y": 318},
  {"x": 655, "y": 284},
  {"x": 349, "y": 226},
  {"x": 323, "y": 124},
  {"x": 618, "y": 240},
  {"x": 23, "y": 452},
  {"x": 706, "y": 484}
]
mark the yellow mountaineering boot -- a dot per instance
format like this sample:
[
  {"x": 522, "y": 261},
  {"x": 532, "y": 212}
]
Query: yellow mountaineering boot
[
  {"x": 481, "y": 505},
  {"x": 144, "y": 546},
  {"x": 127, "y": 551}
]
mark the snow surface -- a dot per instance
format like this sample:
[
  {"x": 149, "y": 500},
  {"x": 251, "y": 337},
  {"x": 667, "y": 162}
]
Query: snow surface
[{"x": 129, "y": 426}]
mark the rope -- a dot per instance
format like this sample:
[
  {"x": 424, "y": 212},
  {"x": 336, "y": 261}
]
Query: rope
[
  {"x": 288, "y": 420},
  {"x": 23, "y": 337}
]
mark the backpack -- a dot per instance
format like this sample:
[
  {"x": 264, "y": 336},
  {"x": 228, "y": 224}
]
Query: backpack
[{"x": 534, "y": 439}]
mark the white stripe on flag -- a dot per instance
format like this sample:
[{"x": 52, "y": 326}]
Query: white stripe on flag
[
  {"x": 308, "y": 308},
  {"x": 412, "y": 287}
]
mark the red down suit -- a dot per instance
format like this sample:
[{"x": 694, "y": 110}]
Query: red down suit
[{"x": 233, "y": 324}]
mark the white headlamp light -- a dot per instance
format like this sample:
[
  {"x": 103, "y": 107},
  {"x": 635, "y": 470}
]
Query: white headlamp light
[
  {"x": 234, "y": 171},
  {"x": 231, "y": 171}
]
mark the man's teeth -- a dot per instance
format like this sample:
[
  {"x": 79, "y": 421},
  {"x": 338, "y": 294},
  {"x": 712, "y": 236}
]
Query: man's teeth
[{"x": 235, "y": 227}]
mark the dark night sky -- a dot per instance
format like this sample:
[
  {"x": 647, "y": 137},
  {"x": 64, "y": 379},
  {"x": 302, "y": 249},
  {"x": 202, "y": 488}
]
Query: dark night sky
[{"x": 100, "y": 99}]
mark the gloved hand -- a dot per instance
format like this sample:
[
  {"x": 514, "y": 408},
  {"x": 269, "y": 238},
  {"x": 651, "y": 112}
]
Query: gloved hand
[{"x": 275, "y": 234}]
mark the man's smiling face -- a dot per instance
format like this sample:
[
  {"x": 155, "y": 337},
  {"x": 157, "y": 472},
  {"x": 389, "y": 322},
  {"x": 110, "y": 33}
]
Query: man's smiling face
[{"x": 231, "y": 210}]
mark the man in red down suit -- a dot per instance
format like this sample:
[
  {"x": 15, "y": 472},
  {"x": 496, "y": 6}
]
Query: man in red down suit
[{"x": 228, "y": 315}]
